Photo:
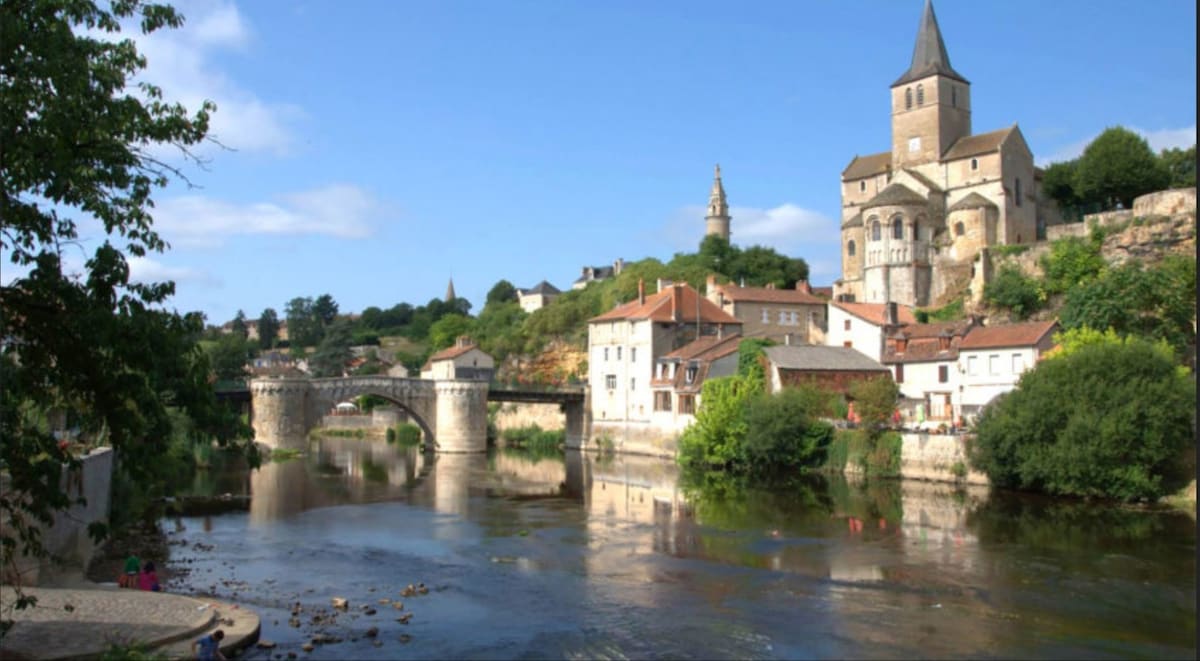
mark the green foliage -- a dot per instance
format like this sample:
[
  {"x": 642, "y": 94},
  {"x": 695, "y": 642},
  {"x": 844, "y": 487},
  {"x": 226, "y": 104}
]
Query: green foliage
[
  {"x": 229, "y": 355},
  {"x": 268, "y": 328},
  {"x": 446, "y": 330},
  {"x": 131, "y": 652},
  {"x": 1058, "y": 184},
  {"x": 1152, "y": 302},
  {"x": 1010, "y": 249},
  {"x": 284, "y": 454},
  {"x": 782, "y": 435},
  {"x": 874, "y": 402},
  {"x": 1107, "y": 420},
  {"x": 238, "y": 325},
  {"x": 406, "y": 434},
  {"x": 1071, "y": 261},
  {"x": 751, "y": 358},
  {"x": 304, "y": 329},
  {"x": 715, "y": 438},
  {"x": 952, "y": 311},
  {"x": 502, "y": 292},
  {"x": 534, "y": 438},
  {"x": 498, "y": 329},
  {"x": 333, "y": 353},
  {"x": 1014, "y": 291},
  {"x": 1181, "y": 165},
  {"x": 1118, "y": 166}
]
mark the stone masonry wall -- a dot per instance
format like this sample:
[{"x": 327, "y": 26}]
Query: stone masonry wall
[
  {"x": 514, "y": 415},
  {"x": 933, "y": 457}
]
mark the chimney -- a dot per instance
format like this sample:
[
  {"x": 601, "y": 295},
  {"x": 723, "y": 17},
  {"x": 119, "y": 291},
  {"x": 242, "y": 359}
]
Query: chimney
[
  {"x": 901, "y": 343},
  {"x": 663, "y": 283},
  {"x": 889, "y": 314},
  {"x": 802, "y": 285},
  {"x": 464, "y": 341},
  {"x": 944, "y": 341},
  {"x": 710, "y": 284},
  {"x": 641, "y": 291}
]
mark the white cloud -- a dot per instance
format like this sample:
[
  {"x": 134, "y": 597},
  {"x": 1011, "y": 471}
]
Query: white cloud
[
  {"x": 181, "y": 62},
  {"x": 338, "y": 210},
  {"x": 788, "y": 228},
  {"x": 144, "y": 269},
  {"x": 1159, "y": 140}
]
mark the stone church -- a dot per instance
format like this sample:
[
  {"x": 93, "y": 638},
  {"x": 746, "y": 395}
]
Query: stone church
[{"x": 914, "y": 218}]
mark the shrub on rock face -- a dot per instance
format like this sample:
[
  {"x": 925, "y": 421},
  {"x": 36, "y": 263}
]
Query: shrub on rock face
[{"x": 1109, "y": 420}]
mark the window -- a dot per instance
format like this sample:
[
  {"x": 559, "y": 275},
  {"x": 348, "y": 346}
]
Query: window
[
  {"x": 783, "y": 317},
  {"x": 908, "y": 98},
  {"x": 993, "y": 364},
  {"x": 897, "y": 228},
  {"x": 633, "y": 354},
  {"x": 632, "y": 383},
  {"x": 848, "y": 344},
  {"x": 1018, "y": 364},
  {"x": 618, "y": 353},
  {"x": 875, "y": 231},
  {"x": 687, "y": 404},
  {"x": 943, "y": 373},
  {"x": 850, "y": 248},
  {"x": 766, "y": 316},
  {"x": 662, "y": 401},
  {"x": 959, "y": 229},
  {"x": 690, "y": 375},
  {"x": 846, "y": 325},
  {"x": 974, "y": 164},
  {"x": 1017, "y": 191},
  {"x": 606, "y": 354},
  {"x": 920, "y": 95},
  {"x": 610, "y": 381},
  {"x": 900, "y": 374},
  {"x": 862, "y": 186},
  {"x": 914, "y": 145},
  {"x": 972, "y": 366}
]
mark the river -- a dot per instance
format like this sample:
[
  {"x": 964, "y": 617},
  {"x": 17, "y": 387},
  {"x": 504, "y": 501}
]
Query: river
[{"x": 583, "y": 557}]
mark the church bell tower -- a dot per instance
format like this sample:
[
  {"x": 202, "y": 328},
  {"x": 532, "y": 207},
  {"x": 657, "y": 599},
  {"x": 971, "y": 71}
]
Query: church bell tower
[{"x": 717, "y": 220}]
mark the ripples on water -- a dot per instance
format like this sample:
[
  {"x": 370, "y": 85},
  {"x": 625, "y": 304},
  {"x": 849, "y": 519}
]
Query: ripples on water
[{"x": 581, "y": 558}]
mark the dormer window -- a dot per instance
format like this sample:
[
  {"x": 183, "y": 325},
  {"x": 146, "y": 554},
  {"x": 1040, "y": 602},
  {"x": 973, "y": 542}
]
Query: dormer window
[
  {"x": 690, "y": 375},
  {"x": 920, "y": 95}
]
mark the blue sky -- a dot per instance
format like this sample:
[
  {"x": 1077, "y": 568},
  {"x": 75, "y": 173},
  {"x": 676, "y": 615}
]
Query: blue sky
[{"x": 377, "y": 149}]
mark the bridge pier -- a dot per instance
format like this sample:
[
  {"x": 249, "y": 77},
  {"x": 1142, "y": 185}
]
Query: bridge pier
[
  {"x": 575, "y": 429},
  {"x": 280, "y": 411},
  {"x": 461, "y": 416}
]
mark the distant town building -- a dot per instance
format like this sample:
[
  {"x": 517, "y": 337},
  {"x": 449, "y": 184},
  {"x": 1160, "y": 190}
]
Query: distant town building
[
  {"x": 991, "y": 359},
  {"x": 464, "y": 360},
  {"x": 595, "y": 273},
  {"x": 924, "y": 363},
  {"x": 538, "y": 296},
  {"x": 915, "y": 217},
  {"x": 680, "y": 374},
  {"x": 834, "y": 369},
  {"x": 863, "y": 326},
  {"x": 787, "y": 316},
  {"x": 450, "y": 291}
]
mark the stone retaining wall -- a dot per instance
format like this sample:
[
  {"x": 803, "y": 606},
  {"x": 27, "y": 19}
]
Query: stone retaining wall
[
  {"x": 935, "y": 457},
  {"x": 514, "y": 415}
]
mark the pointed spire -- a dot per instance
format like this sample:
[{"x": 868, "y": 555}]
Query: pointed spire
[
  {"x": 717, "y": 205},
  {"x": 929, "y": 54},
  {"x": 450, "y": 291}
]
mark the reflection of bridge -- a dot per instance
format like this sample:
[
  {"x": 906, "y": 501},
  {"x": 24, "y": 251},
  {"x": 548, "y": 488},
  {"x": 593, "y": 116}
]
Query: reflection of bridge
[{"x": 452, "y": 413}]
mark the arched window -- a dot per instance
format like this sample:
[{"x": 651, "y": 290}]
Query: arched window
[
  {"x": 916, "y": 234},
  {"x": 908, "y": 98},
  {"x": 959, "y": 230},
  {"x": 897, "y": 228},
  {"x": 862, "y": 186},
  {"x": 875, "y": 231},
  {"x": 850, "y": 248},
  {"x": 920, "y": 95}
]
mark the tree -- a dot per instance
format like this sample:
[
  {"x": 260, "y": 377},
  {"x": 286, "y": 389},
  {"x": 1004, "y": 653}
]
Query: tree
[
  {"x": 1012, "y": 290},
  {"x": 1071, "y": 261},
  {"x": 324, "y": 310},
  {"x": 1181, "y": 165},
  {"x": 715, "y": 439},
  {"x": 501, "y": 292},
  {"x": 332, "y": 354},
  {"x": 303, "y": 328},
  {"x": 228, "y": 356},
  {"x": 1058, "y": 184},
  {"x": 446, "y": 330},
  {"x": 1118, "y": 166},
  {"x": 783, "y": 434},
  {"x": 875, "y": 402},
  {"x": 239, "y": 325},
  {"x": 268, "y": 328},
  {"x": 76, "y": 144},
  {"x": 1108, "y": 419}
]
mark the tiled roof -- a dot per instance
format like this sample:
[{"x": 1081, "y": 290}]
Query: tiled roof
[
  {"x": 768, "y": 295},
  {"x": 935, "y": 329},
  {"x": 874, "y": 312},
  {"x": 823, "y": 293},
  {"x": 866, "y": 166},
  {"x": 707, "y": 347},
  {"x": 854, "y": 221},
  {"x": 677, "y": 303},
  {"x": 818, "y": 357},
  {"x": 972, "y": 201},
  {"x": 895, "y": 195},
  {"x": 973, "y": 145},
  {"x": 449, "y": 354},
  {"x": 924, "y": 342},
  {"x": 1008, "y": 335}
]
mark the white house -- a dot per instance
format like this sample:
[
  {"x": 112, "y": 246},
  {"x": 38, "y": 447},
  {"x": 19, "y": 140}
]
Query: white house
[
  {"x": 538, "y": 296},
  {"x": 861, "y": 326},
  {"x": 991, "y": 359},
  {"x": 464, "y": 360},
  {"x": 624, "y": 345},
  {"x": 680, "y": 375},
  {"x": 924, "y": 363}
]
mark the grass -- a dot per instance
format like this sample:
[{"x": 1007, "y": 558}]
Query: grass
[
  {"x": 283, "y": 454},
  {"x": 1009, "y": 249}
]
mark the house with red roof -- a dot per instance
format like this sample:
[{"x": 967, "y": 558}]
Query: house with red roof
[
  {"x": 863, "y": 326},
  {"x": 993, "y": 358},
  {"x": 788, "y": 316},
  {"x": 924, "y": 363},
  {"x": 680, "y": 375},
  {"x": 464, "y": 360},
  {"x": 624, "y": 345}
]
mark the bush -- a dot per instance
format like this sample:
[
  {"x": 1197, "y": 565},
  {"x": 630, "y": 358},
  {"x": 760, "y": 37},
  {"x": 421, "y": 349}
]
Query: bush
[
  {"x": 1012, "y": 290},
  {"x": 1108, "y": 419},
  {"x": 875, "y": 402},
  {"x": 533, "y": 438},
  {"x": 783, "y": 435},
  {"x": 715, "y": 438},
  {"x": 406, "y": 434},
  {"x": 1070, "y": 261}
]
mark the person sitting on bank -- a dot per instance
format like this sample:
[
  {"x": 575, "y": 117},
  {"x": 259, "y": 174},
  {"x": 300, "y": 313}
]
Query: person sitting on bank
[
  {"x": 129, "y": 579},
  {"x": 148, "y": 579},
  {"x": 208, "y": 648}
]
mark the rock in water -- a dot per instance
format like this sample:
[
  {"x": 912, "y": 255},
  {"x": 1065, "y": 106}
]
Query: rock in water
[{"x": 340, "y": 603}]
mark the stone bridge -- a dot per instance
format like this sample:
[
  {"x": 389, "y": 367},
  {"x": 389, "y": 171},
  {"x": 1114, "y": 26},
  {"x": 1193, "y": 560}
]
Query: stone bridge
[{"x": 451, "y": 413}]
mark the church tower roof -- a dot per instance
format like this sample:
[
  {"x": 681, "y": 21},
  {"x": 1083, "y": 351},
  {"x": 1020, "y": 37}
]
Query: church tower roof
[
  {"x": 929, "y": 55},
  {"x": 450, "y": 291},
  {"x": 717, "y": 204}
]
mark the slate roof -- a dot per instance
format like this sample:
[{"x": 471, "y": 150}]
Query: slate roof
[
  {"x": 816, "y": 357},
  {"x": 874, "y": 312},
  {"x": 542, "y": 287},
  {"x": 972, "y": 201},
  {"x": 677, "y": 303},
  {"x": 895, "y": 195},
  {"x": 1008, "y": 335},
  {"x": 598, "y": 273},
  {"x": 973, "y": 145},
  {"x": 866, "y": 166},
  {"x": 929, "y": 54},
  {"x": 768, "y": 295}
]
